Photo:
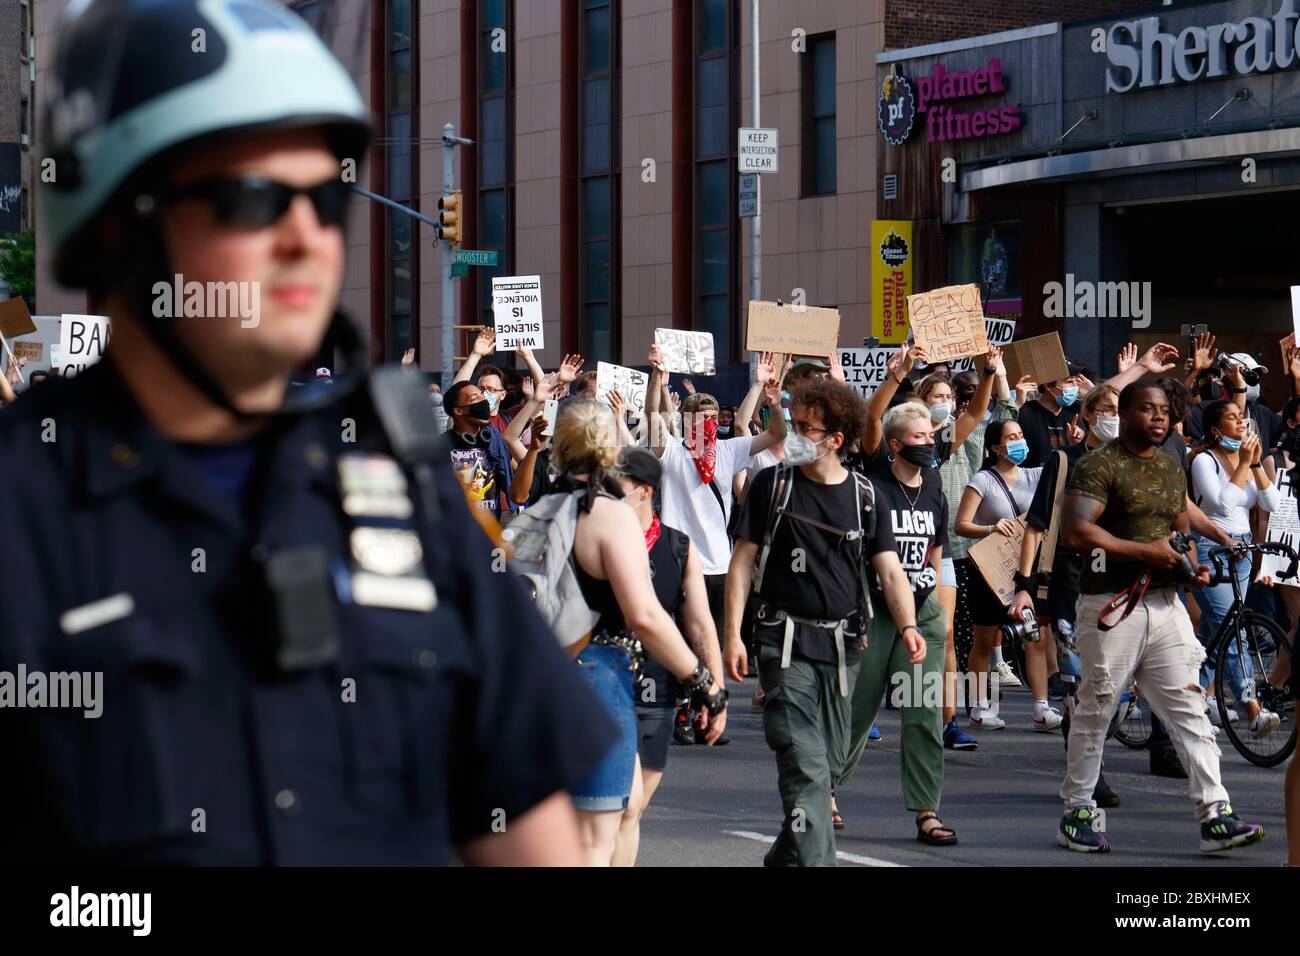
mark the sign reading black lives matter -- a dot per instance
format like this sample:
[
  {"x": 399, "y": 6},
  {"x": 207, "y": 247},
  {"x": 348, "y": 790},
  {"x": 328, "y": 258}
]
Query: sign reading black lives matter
[
  {"x": 82, "y": 340},
  {"x": 690, "y": 353},
  {"x": 865, "y": 369},
  {"x": 517, "y": 310}
]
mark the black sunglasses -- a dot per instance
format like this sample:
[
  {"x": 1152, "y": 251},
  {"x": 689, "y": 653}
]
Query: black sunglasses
[{"x": 257, "y": 202}]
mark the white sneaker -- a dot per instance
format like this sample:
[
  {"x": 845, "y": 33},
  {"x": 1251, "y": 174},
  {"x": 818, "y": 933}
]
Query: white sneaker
[
  {"x": 1006, "y": 676},
  {"x": 986, "y": 721},
  {"x": 1265, "y": 723},
  {"x": 1217, "y": 719},
  {"x": 1046, "y": 720}
]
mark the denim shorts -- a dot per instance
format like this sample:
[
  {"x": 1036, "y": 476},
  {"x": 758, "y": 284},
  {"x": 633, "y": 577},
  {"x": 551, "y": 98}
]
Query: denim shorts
[
  {"x": 609, "y": 672},
  {"x": 949, "y": 576}
]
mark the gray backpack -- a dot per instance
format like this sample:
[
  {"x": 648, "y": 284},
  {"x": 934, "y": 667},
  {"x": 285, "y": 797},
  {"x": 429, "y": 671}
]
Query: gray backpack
[{"x": 541, "y": 539}]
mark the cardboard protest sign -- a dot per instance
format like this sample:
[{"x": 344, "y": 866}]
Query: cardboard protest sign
[
  {"x": 998, "y": 559},
  {"x": 24, "y": 354},
  {"x": 865, "y": 369},
  {"x": 948, "y": 323},
  {"x": 781, "y": 328},
  {"x": 1283, "y": 528},
  {"x": 1000, "y": 332},
  {"x": 690, "y": 353},
  {"x": 628, "y": 382},
  {"x": 82, "y": 340},
  {"x": 1041, "y": 358},
  {"x": 517, "y": 312},
  {"x": 15, "y": 320}
]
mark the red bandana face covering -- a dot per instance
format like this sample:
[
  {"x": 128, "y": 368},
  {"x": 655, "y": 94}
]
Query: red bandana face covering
[
  {"x": 652, "y": 533},
  {"x": 702, "y": 443}
]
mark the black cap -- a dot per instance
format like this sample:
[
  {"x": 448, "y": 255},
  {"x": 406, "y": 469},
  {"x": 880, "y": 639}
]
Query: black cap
[{"x": 641, "y": 464}]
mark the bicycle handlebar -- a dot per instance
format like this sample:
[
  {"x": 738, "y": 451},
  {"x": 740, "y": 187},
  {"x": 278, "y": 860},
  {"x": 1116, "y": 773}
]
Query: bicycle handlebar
[{"x": 1238, "y": 552}]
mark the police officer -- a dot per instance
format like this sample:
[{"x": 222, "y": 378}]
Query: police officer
[{"x": 304, "y": 656}]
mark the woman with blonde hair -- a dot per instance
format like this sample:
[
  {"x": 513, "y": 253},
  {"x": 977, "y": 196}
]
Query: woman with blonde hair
[{"x": 613, "y": 571}]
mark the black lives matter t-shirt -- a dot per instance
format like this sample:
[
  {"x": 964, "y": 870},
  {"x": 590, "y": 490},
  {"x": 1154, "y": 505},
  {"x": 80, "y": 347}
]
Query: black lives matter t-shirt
[{"x": 910, "y": 522}]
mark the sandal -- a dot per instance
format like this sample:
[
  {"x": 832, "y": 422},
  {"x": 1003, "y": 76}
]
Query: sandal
[
  {"x": 837, "y": 821},
  {"x": 928, "y": 836}
]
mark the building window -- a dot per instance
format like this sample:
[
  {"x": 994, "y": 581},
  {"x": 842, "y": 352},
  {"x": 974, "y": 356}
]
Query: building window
[
  {"x": 496, "y": 81},
  {"x": 402, "y": 264},
  {"x": 717, "y": 110},
  {"x": 818, "y": 95},
  {"x": 313, "y": 12},
  {"x": 22, "y": 34},
  {"x": 598, "y": 210}
]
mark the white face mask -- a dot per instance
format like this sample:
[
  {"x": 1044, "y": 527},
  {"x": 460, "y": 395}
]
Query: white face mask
[
  {"x": 800, "y": 449},
  {"x": 1252, "y": 393},
  {"x": 1106, "y": 427},
  {"x": 940, "y": 413},
  {"x": 493, "y": 401}
]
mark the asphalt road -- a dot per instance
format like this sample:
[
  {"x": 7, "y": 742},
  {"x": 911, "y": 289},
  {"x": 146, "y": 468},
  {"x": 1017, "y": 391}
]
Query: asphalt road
[{"x": 719, "y": 806}]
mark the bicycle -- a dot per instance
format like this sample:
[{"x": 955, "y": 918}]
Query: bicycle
[
  {"x": 1132, "y": 723},
  {"x": 1263, "y": 645}
]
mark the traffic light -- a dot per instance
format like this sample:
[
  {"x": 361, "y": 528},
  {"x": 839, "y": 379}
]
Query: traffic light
[{"x": 449, "y": 217}]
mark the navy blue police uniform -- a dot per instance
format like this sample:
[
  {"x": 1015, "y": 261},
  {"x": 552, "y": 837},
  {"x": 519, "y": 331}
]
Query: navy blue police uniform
[{"x": 307, "y": 658}]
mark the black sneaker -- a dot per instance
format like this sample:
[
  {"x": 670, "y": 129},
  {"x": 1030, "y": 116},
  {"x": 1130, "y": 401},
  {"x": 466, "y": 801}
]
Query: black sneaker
[
  {"x": 1057, "y": 689},
  {"x": 1076, "y": 832},
  {"x": 1166, "y": 764},
  {"x": 1226, "y": 830},
  {"x": 1105, "y": 797}
]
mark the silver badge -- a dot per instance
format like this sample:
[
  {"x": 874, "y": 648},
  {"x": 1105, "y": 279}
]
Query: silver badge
[
  {"x": 373, "y": 486},
  {"x": 387, "y": 551}
]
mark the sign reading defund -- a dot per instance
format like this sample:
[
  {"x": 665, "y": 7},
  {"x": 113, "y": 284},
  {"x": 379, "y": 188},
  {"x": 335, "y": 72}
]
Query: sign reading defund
[
  {"x": 82, "y": 340},
  {"x": 517, "y": 311},
  {"x": 1142, "y": 56}
]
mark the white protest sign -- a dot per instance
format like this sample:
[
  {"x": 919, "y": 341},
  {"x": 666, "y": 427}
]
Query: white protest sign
[
  {"x": 690, "y": 353},
  {"x": 82, "y": 340},
  {"x": 1295, "y": 310},
  {"x": 1000, "y": 333},
  {"x": 517, "y": 310},
  {"x": 865, "y": 369},
  {"x": 628, "y": 382},
  {"x": 1283, "y": 528}
]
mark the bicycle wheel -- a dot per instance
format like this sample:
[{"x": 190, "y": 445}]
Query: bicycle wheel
[
  {"x": 1134, "y": 729},
  {"x": 1265, "y": 643}
]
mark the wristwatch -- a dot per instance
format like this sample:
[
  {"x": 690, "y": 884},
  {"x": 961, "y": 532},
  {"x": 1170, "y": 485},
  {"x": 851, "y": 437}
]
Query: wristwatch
[
  {"x": 1238, "y": 391},
  {"x": 699, "y": 680},
  {"x": 989, "y": 370}
]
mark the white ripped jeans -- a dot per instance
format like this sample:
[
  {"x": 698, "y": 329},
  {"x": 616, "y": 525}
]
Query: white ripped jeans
[{"x": 1156, "y": 645}]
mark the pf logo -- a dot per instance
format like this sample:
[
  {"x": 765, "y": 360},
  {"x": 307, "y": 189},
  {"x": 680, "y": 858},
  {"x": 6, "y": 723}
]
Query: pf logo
[{"x": 897, "y": 109}]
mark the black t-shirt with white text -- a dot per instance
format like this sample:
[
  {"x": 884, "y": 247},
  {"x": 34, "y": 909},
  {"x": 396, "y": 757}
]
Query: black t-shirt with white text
[
  {"x": 810, "y": 571},
  {"x": 910, "y": 522}
]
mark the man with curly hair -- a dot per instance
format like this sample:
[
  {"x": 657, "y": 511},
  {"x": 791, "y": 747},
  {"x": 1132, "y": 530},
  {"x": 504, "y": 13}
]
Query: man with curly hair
[{"x": 805, "y": 521}]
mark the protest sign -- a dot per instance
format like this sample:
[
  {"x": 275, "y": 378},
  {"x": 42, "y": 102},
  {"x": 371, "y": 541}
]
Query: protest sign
[
  {"x": 24, "y": 354},
  {"x": 948, "y": 323},
  {"x": 690, "y": 353},
  {"x": 1295, "y": 309},
  {"x": 628, "y": 382},
  {"x": 15, "y": 320},
  {"x": 1000, "y": 332},
  {"x": 806, "y": 330},
  {"x": 1041, "y": 358},
  {"x": 82, "y": 340},
  {"x": 1283, "y": 528},
  {"x": 865, "y": 369},
  {"x": 998, "y": 560},
  {"x": 517, "y": 312},
  {"x": 1286, "y": 345}
]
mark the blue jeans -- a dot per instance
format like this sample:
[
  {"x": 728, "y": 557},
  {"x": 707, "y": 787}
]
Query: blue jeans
[
  {"x": 1214, "y": 603},
  {"x": 609, "y": 672}
]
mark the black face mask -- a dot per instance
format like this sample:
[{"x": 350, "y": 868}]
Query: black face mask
[
  {"x": 480, "y": 410},
  {"x": 920, "y": 455}
]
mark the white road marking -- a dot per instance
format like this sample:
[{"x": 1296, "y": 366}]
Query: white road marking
[{"x": 840, "y": 854}]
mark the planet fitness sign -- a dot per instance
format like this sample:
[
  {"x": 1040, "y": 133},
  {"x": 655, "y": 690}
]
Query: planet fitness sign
[
  {"x": 1142, "y": 56},
  {"x": 935, "y": 95}
]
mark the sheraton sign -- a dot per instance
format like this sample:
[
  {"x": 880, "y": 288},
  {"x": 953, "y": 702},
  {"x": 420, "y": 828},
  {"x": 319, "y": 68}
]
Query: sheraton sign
[{"x": 1142, "y": 56}]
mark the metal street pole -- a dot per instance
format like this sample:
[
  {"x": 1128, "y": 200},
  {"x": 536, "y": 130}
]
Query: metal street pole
[{"x": 448, "y": 293}]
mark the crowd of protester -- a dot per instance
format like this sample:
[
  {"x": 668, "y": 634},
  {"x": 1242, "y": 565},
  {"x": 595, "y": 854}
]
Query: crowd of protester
[{"x": 822, "y": 542}]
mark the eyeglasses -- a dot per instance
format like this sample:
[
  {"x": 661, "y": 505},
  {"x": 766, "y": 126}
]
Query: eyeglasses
[
  {"x": 256, "y": 202},
  {"x": 802, "y": 428},
  {"x": 495, "y": 391}
]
